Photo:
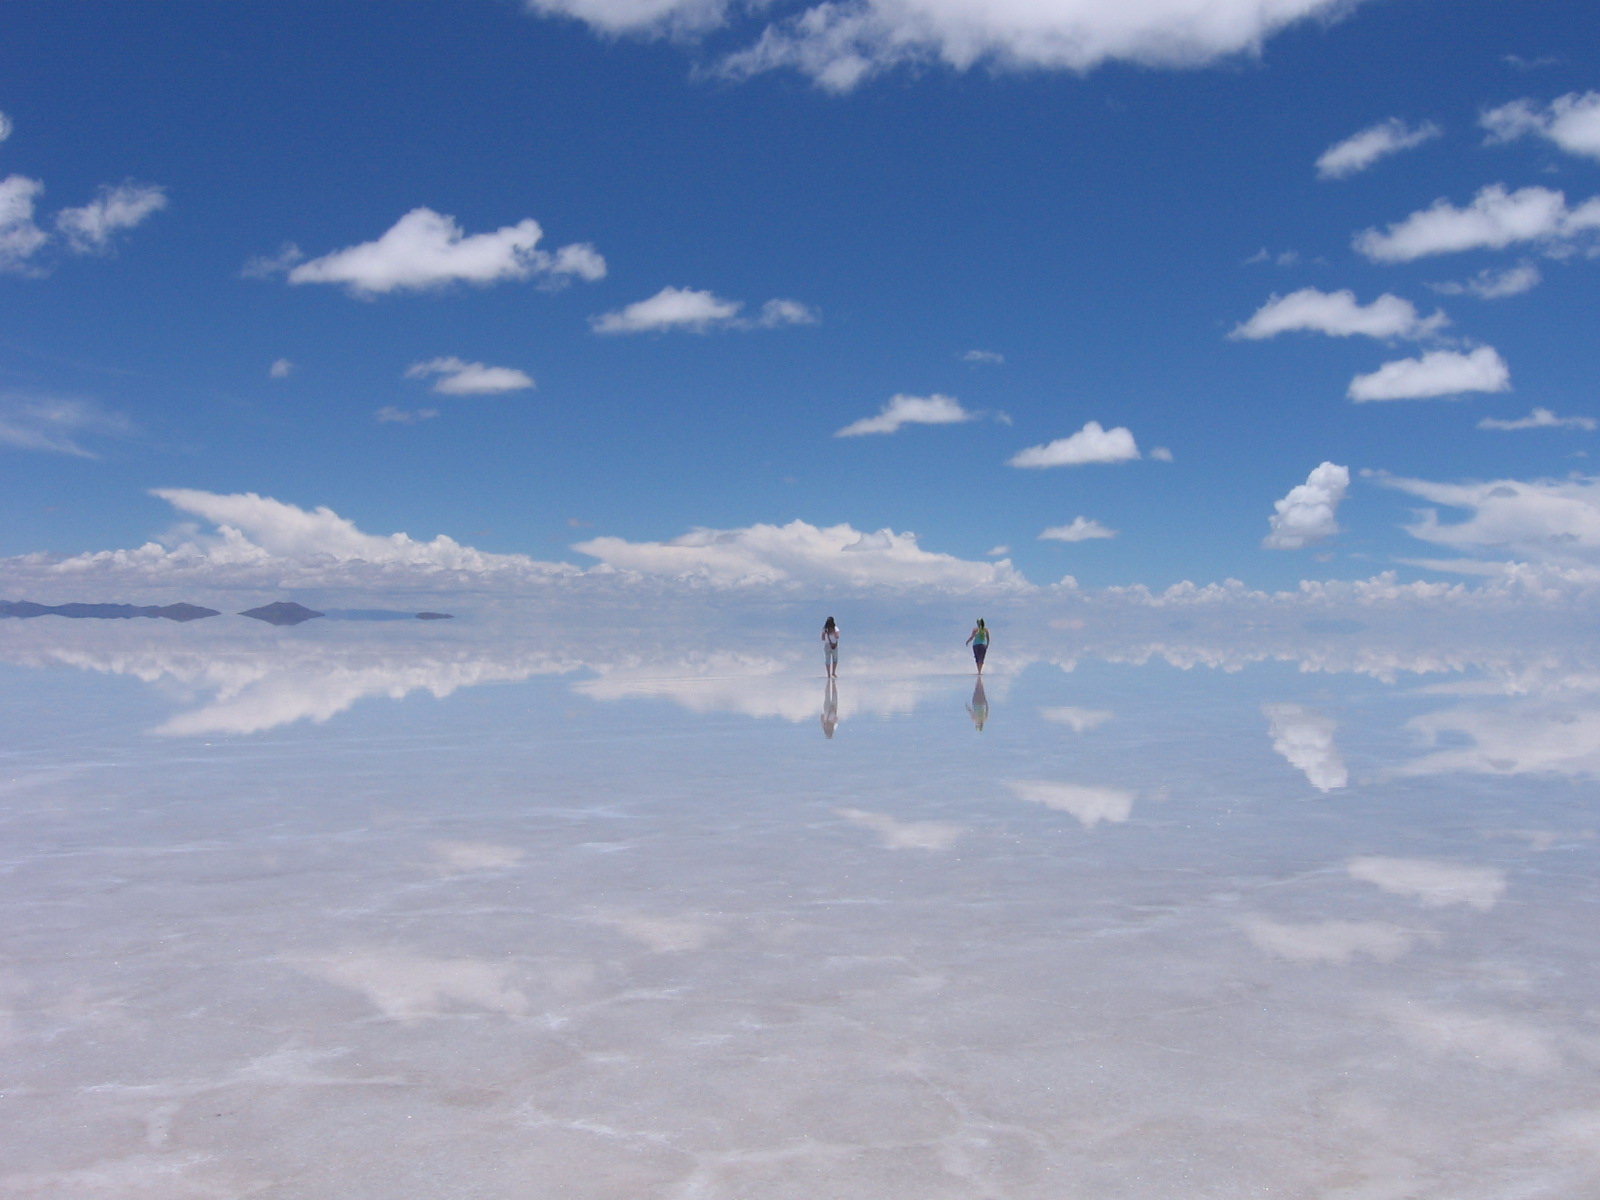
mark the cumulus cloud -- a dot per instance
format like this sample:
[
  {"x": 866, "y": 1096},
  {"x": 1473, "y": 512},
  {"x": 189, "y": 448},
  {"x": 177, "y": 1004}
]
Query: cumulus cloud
[
  {"x": 1436, "y": 373},
  {"x": 1359, "y": 151},
  {"x": 456, "y": 377},
  {"x": 1490, "y": 284},
  {"x": 1494, "y": 220},
  {"x": 1091, "y": 444},
  {"x": 56, "y": 426},
  {"x": 800, "y": 552},
  {"x": 1090, "y": 804},
  {"x": 20, "y": 238},
  {"x": 1338, "y": 314},
  {"x": 1082, "y": 529},
  {"x": 1549, "y": 519},
  {"x": 698, "y": 311},
  {"x": 1572, "y": 122},
  {"x": 281, "y": 368},
  {"x": 841, "y": 43},
  {"x": 1540, "y": 418},
  {"x": 1433, "y": 884},
  {"x": 1307, "y": 513},
  {"x": 425, "y": 249},
  {"x": 90, "y": 228},
  {"x": 1305, "y": 738},
  {"x": 910, "y": 410}
]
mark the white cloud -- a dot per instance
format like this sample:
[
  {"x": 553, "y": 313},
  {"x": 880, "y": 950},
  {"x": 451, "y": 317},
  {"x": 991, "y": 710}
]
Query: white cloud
[
  {"x": 89, "y": 229},
  {"x": 1305, "y": 738},
  {"x": 1338, "y": 314},
  {"x": 5, "y": 127},
  {"x": 1161, "y": 454},
  {"x": 1079, "y": 720},
  {"x": 1089, "y": 804},
  {"x": 637, "y": 16},
  {"x": 1489, "y": 284},
  {"x": 841, "y": 43},
  {"x": 281, "y": 368},
  {"x": 404, "y": 416},
  {"x": 1436, "y": 373},
  {"x": 1544, "y": 519},
  {"x": 20, "y": 238},
  {"x": 1359, "y": 151},
  {"x": 1091, "y": 444},
  {"x": 905, "y": 835},
  {"x": 1495, "y": 219},
  {"x": 1307, "y": 513},
  {"x": 910, "y": 410},
  {"x": 425, "y": 249},
  {"x": 997, "y": 551},
  {"x": 698, "y": 312},
  {"x": 1433, "y": 884},
  {"x": 1082, "y": 529},
  {"x": 1571, "y": 122},
  {"x": 983, "y": 356},
  {"x": 1540, "y": 418},
  {"x": 54, "y": 425},
  {"x": 800, "y": 552},
  {"x": 1334, "y": 942},
  {"x": 459, "y": 378}
]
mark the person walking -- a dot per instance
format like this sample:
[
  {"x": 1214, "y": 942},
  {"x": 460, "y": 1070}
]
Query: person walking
[
  {"x": 978, "y": 639},
  {"x": 830, "y": 648}
]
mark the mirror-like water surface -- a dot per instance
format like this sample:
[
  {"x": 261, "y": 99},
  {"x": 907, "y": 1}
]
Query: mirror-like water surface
[{"x": 375, "y": 911}]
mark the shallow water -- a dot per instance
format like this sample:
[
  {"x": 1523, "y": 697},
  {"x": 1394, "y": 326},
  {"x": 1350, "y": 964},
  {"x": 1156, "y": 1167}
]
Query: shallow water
[{"x": 373, "y": 911}]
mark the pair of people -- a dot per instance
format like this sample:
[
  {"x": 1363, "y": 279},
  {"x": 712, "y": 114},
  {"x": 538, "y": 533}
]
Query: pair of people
[{"x": 978, "y": 639}]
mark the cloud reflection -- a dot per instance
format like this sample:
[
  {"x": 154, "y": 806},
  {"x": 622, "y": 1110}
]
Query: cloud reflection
[
  {"x": 1433, "y": 884},
  {"x": 1089, "y": 804},
  {"x": 1305, "y": 738}
]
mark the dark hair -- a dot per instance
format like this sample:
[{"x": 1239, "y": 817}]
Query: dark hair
[
  {"x": 828, "y": 624},
  {"x": 980, "y": 623}
]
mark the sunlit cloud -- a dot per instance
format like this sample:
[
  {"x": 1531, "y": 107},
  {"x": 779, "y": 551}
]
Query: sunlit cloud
[
  {"x": 55, "y": 425},
  {"x": 1432, "y": 884},
  {"x": 694, "y": 311},
  {"x": 1490, "y": 284},
  {"x": 1571, "y": 122},
  {"x": 1305, "y": 738},
  {"x": 90, "y": 228},
  {"x": 902, "y": 410},
  {"x": 1556, "y": 519},
  {"x": 455, "y": 377},
  {"x": 1089, "y": 804},
  {"x": 20, "y": 237},
  {"x": 1338, "y": 314},
  {"x": 1540, "y": 418},
  {"x": 1307, "y": 514},
  {"x": 1436, "y": 373},
  {"x": 1494, "y": 220},
  {"x": 426, "y": 250},
  {"x": 1360, "y": 150},
  {"x": 1091, "y": 444},
  {"x": 1081, "y": 529}
]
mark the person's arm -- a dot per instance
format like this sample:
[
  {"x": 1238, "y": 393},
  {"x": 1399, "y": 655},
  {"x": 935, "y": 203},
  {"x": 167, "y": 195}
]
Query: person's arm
[{"x": 970, "y": 636}]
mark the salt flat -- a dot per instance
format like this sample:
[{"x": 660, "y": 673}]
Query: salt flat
[{"x": 380, "y": 912}]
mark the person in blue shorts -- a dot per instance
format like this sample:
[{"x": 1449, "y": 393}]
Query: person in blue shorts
[{"x": 978, "y": 639}]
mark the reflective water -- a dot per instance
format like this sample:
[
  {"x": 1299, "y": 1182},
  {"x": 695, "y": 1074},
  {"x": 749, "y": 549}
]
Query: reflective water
[{"x": 490, "y": 910}]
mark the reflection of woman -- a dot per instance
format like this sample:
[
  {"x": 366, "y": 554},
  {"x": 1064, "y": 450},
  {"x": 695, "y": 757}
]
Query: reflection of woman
[
  {"x": 978, "y": 639},
  {"x": 830, "y": 648},
  {"x": 830, "y": 708},
  {"x": 978, "y": 710}
]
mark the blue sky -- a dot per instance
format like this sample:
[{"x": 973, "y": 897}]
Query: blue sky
[{"x": 1021, "y": 228}]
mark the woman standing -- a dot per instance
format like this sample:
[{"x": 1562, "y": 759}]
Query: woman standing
[
  {"x": 978, "y": 639},
  {"x": 830, "y": 648}
]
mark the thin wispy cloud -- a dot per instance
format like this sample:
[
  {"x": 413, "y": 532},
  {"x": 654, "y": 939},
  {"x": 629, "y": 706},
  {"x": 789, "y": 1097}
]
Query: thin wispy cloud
[
  {"x": 20, "y": 237},
  {"x": 456, "y": 377},
  {"x": 90, "y": 228},
  {"x": 1571, "y": 122},
  {"x": 983, "y": 356},
  {"x": 5, "y": 127},
  {"x": 691, "y": 310},
  {"x": 903, "y": 410},
  {"x": 1080, "y": 529},
  {"x": 1308, "y": 514},
  {"x": 390, "y": 415},
  {"x": 1490, "y": 284},
  {"x": 281, "y": 368},
  {"x": 1360, "y": 150},
  {"x": 1540, "y": 520},
  {"x": 1091, "y": 444},
  {"x": 57, "y": 426},
  {"x": 1494, "y": 220},
  {"x": 1338, "y": 314},
  {"x": 1539, "y": 418},
  {"x": 425, "y": 250},
  {"x": 1436, "y": 373}
]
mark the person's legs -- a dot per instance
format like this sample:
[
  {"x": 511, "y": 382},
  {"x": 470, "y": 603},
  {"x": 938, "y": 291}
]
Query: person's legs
[{"x": 979, "y": 651}]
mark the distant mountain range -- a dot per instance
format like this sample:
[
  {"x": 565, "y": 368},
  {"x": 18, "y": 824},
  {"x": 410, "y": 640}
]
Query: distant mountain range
[{"x": 280, "y": 612}]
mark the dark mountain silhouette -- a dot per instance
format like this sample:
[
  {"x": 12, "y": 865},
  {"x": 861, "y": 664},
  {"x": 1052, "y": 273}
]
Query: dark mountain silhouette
[
  {"x": 115, "y": 612},
  {"x": 282, "y": 612}
]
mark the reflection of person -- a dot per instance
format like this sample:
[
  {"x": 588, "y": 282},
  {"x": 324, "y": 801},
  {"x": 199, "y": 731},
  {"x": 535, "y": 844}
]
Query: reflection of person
[
  {"x": 978, "y": 710},
  {"x": 978, "y": 639},
  {"x": 830, "y": 648},
  {"x": 830, "y": 708}
]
